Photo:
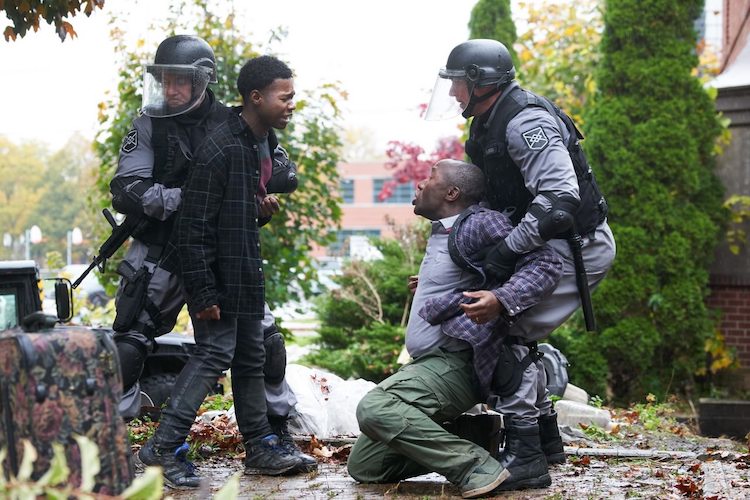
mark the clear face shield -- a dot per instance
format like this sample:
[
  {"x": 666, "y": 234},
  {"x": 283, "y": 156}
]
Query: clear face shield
[
  {"x": 449, "y": 97},
  {"x": 172, "y": 89}
]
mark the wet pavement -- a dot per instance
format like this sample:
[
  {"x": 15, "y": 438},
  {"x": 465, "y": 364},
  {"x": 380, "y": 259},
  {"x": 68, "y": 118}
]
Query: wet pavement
[{"x": 580, "y": 477}]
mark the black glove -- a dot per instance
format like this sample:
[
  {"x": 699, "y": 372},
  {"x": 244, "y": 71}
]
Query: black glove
[{"x": 500, "y": 262}]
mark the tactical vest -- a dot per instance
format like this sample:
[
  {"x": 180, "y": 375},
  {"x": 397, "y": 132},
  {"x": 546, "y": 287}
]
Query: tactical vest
[
  {"x": 506, "y": 188},
  {"x": 171, "y": 165}
]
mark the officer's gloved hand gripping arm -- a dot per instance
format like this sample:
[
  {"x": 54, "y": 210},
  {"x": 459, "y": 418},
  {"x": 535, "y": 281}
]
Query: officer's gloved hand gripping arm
[
  {"x": 500, "y": 261},
  {"x": 283, "y": 180}
]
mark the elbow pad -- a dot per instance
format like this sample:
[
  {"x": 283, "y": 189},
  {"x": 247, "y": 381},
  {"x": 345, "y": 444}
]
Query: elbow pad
[
  {"x": 560, "y": 217},
  {"x": 127, "y": 193}
]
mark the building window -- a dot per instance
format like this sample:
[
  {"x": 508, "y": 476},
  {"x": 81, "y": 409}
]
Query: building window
[
  {"x": 402, "y": 193},
  {"x": 346, "y": 188},
  {"x": 342, "y": 246}
]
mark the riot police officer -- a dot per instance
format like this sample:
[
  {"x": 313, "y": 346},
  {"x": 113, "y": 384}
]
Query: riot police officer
[
  {"x": 179, "y": 110},
  {"x": 537, "y": 175}
]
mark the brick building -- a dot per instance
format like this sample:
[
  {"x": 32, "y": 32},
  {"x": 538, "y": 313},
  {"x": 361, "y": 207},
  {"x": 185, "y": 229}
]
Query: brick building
[
  {"x": 363, "y": 214},
  {"x": 730, "y": 274}
]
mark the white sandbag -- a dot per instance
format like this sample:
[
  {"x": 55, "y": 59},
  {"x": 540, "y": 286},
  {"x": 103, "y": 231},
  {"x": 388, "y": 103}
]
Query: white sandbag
[
  {"x": 326, "y": 403},
  {"x": 342, "y": 406},
  {"x": 572, "y": 413},
  {"x": 575, "y": 393}
]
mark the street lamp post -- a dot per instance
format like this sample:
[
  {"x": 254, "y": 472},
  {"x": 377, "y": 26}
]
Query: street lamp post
[
  {"x": 33, "y": 235},
  {"x": 75, "y": 237},
  {"x": 8, "y": 243}
]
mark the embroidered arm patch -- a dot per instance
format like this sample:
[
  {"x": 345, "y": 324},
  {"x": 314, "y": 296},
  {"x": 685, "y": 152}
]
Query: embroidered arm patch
[
  {"x": 535, "y": 139},
  {"x": 130, "y": 141}
]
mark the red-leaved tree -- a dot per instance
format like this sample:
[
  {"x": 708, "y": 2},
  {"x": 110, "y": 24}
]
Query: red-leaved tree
[{"x": 411, "y": 164}]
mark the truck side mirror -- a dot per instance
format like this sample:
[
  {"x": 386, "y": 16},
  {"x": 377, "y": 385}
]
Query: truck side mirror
[{"x": 63, "y": 299}]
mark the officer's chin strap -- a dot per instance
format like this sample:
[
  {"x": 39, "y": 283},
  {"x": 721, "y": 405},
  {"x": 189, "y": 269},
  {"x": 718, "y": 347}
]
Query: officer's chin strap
[{"x": 474, "y": 100}]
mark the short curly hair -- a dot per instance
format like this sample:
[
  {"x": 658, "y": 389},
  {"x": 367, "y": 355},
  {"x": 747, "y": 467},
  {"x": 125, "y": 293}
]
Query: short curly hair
[
  {"x": 260, "y": 72},
  {"x": 467, "y": 177}
]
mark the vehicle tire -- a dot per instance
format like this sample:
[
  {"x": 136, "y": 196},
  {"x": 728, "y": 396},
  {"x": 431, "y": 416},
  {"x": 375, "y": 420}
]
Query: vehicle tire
[{"x": 158, "y": 387}]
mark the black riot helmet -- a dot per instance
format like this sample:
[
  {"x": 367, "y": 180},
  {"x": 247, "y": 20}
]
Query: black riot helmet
[
  {"x": 482, "y": 62},
  {"x": 475, "y": 64},
  {"x": 176, "y": 82},
  {"x": 188, "y": 50}
]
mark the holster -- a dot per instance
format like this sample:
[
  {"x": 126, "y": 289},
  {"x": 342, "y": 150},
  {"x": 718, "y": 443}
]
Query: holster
[
  {"x": 133, "y": 297},
  {"x": 508, "y": 373}
]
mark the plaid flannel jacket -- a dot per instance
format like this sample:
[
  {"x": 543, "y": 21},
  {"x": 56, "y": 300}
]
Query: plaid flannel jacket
[
  {"x": 218, "y": 240},
  {"x": 537, "y": 274}
]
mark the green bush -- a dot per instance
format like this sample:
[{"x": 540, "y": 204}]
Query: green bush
[
  {"x": 588, "y": 367},
  {"x": 363, "y": 322},
  {"x": 651, "y": 136}
]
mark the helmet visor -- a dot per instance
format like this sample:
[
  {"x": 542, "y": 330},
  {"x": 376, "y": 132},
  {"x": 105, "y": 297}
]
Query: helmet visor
[
  {"x": 172, "y": 89},
  {"x": 445, "y": 102}
]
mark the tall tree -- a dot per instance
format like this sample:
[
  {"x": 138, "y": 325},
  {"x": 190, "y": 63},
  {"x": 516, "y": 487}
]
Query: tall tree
[
  {"x": 492, "y": 19},
  {"x": 310, "y": 215},
  {"x": 651, "y": 139},
  {"x": 558, "y": 51},
  {"x": 44, "y": 189},
  {"x": 21, "y": 188}
]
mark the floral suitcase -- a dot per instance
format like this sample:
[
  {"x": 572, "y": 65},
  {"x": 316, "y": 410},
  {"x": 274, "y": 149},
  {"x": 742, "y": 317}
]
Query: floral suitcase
[{"x": 58, "y": 384}]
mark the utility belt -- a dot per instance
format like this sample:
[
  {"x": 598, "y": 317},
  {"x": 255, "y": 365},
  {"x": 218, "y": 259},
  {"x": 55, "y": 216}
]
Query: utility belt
[
  {"x": 134, "y": 298},
  {"x": 509, "y": 370}
]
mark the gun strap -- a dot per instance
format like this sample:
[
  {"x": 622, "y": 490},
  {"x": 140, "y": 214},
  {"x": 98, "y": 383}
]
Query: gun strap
[{"x": 534, "y": 354}]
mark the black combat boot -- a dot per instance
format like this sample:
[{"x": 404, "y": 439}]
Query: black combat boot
[
  {"x": 281, "y": 429},
  {"x": 178, "y": 472},
  {"x": 552, "y": 444},
  {"x": 267, "y": 457},
  {"x": 523, "y": 458}
]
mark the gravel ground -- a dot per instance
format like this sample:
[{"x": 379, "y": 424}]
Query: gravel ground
[{"x": 689, "y": 466}]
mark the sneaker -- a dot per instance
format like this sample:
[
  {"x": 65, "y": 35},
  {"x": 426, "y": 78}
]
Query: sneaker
[
  {"x": 177, "y": 470},
  {"x": 266, "y": 456},
  {"x": 279, "y": 426},
  {"x": 483, "y": 479}
]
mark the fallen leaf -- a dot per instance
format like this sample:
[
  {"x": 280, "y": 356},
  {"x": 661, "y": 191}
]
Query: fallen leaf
[{"x": 322, "y": 452}]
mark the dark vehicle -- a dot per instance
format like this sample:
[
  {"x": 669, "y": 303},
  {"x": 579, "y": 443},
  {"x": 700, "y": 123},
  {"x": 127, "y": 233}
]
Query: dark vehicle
[{"x": 21, "y": 307}]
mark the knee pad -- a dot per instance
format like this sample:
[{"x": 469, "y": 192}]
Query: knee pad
[
  {"x": 132, "y": 354},
  {"x": 275, "y": 367}
]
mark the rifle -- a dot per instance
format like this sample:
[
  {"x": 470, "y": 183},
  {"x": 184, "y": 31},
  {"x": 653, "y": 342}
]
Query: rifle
[{"x": 120, "y": 234}]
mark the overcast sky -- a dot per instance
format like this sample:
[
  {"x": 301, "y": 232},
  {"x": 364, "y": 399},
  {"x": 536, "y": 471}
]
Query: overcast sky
[{"x": 385, "y": 53}]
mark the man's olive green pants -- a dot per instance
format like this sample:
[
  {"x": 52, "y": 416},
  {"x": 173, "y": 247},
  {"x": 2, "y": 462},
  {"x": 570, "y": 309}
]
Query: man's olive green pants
[{"x": 400, "y": 422}]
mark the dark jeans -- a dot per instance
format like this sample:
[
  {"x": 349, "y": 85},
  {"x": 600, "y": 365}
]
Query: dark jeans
[{"x": 229, "y": 342}]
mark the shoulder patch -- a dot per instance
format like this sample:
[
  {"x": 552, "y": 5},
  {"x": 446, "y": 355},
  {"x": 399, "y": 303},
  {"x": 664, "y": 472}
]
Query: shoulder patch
[
  {"x": 535, "y": 139},
  {"x": 130, "y": 141}
]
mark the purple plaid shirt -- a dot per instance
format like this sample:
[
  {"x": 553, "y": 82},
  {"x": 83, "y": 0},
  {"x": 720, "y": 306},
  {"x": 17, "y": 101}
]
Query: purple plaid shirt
[{"x": 537, "y": 274}]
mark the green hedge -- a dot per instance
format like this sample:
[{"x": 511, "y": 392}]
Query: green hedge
[
  {"x": 650, "y": 139},
  {"x": 358, "y": 338}
]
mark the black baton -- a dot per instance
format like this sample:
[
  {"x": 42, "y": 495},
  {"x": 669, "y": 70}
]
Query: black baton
[{"x": 575, "y": 241}]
